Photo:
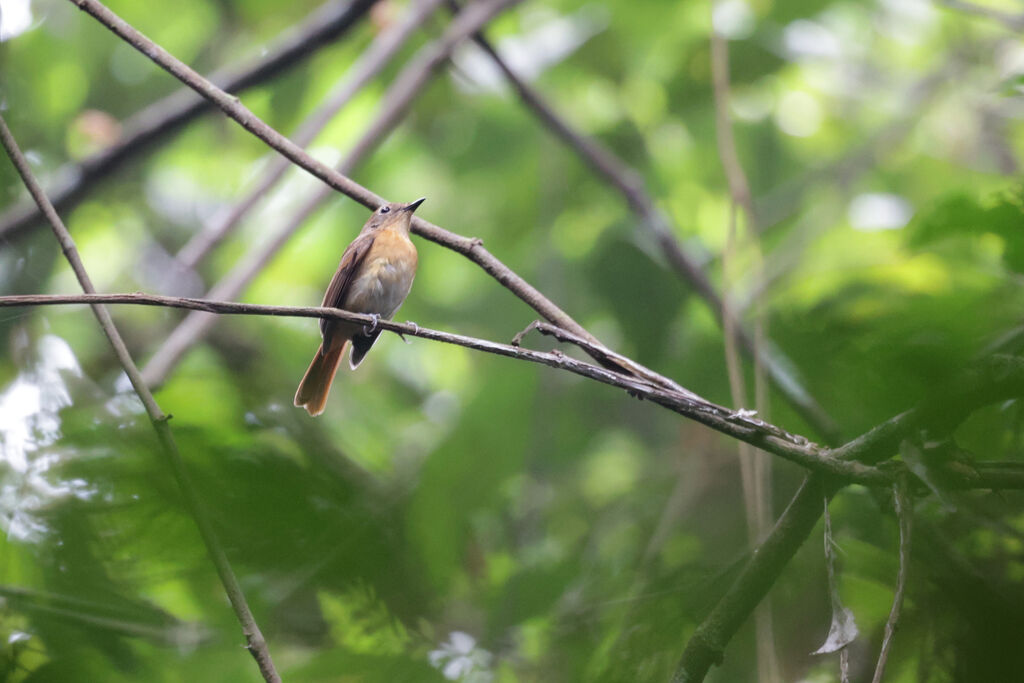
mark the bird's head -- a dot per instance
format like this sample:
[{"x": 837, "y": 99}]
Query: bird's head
[{"x": 393, "y": 215}]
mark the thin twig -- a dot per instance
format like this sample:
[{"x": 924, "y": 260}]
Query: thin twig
[
  {"x": 369, "y": 64},
  {"x": 601, "y": 354},
  {"x": 736, "y": 424},
  {"x": 396, "y": 103},
  {"x": 686, "y": 403},
  {"x": 254, "y": 637},
  {"x": 905, "y": 515},
  {"x": 167, "y": 115},
  {"x": 630, "y": 184},
  {"x": 844, "y": 462}
]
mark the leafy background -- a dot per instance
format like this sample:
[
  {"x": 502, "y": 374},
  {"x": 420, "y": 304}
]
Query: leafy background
[{"x": 464, "y": 516}]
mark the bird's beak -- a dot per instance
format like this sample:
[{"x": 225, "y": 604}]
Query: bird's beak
[{"x": 412, "y": 206}]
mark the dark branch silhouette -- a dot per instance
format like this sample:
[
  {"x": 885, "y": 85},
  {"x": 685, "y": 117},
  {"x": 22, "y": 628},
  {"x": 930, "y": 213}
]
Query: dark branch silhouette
[{"x": 845, "y": 462}]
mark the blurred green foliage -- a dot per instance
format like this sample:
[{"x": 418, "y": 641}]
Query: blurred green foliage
[{"x": 458, "y": 515}]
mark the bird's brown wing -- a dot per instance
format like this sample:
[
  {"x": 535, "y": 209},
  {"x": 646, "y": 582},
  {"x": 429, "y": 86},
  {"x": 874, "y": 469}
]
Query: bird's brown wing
[{"x": 337, "y": 292}]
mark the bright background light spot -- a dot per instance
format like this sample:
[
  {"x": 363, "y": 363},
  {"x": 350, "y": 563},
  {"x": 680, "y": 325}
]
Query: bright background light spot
[
  {"x": 15, "y": 18},
  {"x": 803, "y": 38},
  {"x": 798, "y": 114},
  {"x": 876, "y": 211},
  {"x": 732, "y": 19}
]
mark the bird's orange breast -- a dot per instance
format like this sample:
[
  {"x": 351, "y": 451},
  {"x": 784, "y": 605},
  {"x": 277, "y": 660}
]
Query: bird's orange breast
[{"x": 386, "y": 275}]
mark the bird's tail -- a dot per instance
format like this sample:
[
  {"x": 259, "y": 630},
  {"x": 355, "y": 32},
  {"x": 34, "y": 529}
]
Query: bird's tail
[{"x": 316, "y": 384}]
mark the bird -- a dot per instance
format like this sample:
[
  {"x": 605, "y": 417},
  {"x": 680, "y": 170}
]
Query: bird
[{"x": 374, "y": 277}]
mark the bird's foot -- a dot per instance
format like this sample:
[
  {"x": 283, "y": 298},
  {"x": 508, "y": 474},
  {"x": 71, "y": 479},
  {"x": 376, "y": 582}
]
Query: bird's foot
[
  {"x": 373, "y": 327},
  {"x": 415, "y": 330}
]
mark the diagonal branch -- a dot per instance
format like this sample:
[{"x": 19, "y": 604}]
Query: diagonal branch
[
  {"x": 167, "y": 115},
  {"x": 601, "y": 354},
  {"x": 254, "y": 637},
  {"x": 630, "y": 185},
  {"x": 396, "y": 103},
  {"x": 738, "y": 425},
  {"x": 369, "y": 64},
  {"x": 999, "y": 374}
]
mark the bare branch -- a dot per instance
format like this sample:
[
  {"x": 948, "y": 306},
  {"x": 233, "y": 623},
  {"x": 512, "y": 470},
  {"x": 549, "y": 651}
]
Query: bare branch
[
  {"x": 844, "y": 462},
  {"x": 254, "y": 637},
  {"x": 603, "y": 355},
  {"x": 631, "y": 186},
  {"x": 369, "y": 64},
  {"x": 905, "y": 514},
  {"x": 396, "y": 103},
  {"x": 738, "y": 425},
  {"x": 167, "y": 115}
]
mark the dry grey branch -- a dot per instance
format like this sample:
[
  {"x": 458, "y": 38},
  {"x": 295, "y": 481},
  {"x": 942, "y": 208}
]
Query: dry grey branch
[
  {"x": 603, "y": 355},
  {"x": 254, "y": 637},
  {"x": 738, "y": 425},
  {"x": 167, "y": 115},
  {"x": 843, "y": 462}
]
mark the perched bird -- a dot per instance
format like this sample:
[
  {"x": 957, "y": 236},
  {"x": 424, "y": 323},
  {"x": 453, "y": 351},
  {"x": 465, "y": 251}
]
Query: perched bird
[{"x": 374, "y": 277}]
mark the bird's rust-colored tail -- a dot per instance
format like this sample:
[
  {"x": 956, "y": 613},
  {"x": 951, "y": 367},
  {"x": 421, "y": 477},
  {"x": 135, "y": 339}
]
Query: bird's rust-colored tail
[{"x": 316, "y": 383}]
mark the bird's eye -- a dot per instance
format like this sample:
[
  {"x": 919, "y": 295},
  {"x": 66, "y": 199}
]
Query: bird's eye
[{"x": 385, "y": 209}]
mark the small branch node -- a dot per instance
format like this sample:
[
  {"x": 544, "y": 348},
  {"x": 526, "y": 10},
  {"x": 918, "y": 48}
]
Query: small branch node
[{"x": 518, "y": 339}]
